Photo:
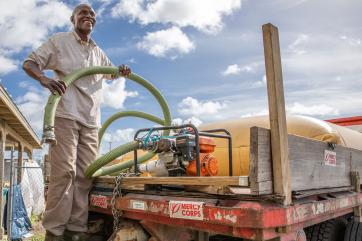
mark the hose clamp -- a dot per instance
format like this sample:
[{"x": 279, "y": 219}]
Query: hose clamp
[{"x": 48, "y": 135}]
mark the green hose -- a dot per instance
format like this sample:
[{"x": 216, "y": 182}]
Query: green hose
[
  {"x": 125, "y": 165},
  {"x": 48, "y": 132},
  {"x": 115, "y": 169},
  {"x": 110, "y": 156},
  {"x": 53, "y": 100},
  {"x": 118, "y": 115}
]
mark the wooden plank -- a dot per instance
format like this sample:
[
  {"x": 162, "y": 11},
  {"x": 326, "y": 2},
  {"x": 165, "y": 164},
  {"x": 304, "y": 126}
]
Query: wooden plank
[
  {"x": 307, "y": 193},
  {"x": 10, "y": 105},
  {"x": 216, "y": 190},
  {"x": 195, "y": 181},
  {"x": 278, "y": 124},
  {"x": 17, "y": 137},
  {"x": 308, "y": 168},
  {"x": 260, "y": 168},
  {"x": 200, "y": 181},
  {"x": 20, "y": 163},
  {"x": 4, "y": 110}
]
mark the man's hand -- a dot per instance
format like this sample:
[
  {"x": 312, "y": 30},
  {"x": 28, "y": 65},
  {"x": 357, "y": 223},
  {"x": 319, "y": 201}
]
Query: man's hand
[
  {"x": 33, "y": 70},
  {"x": 124, "y": 70},
  {"x": 53, "y": 86}
]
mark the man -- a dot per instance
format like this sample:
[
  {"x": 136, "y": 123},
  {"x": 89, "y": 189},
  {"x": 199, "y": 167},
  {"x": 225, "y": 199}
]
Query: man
[{"x": 76, "y": 122}]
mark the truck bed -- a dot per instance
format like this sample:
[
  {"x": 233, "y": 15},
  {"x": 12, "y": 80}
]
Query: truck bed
[{"x": 245, "y": 206}]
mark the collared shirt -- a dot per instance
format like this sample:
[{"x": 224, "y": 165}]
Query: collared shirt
[{"x": 64, "y": 53}]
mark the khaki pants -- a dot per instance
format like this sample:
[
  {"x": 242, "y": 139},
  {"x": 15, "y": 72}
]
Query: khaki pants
[{"x": 67, "y": 199}]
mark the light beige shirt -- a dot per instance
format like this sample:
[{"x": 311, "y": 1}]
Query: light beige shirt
[{"x": 64, "y": 53}]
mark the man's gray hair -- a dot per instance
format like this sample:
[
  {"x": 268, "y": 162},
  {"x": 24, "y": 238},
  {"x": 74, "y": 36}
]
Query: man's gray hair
[{"x": 80, "y": 6}]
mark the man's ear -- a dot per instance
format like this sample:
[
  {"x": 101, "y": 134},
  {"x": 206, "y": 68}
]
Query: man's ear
[{"x": 72, "y": 19}]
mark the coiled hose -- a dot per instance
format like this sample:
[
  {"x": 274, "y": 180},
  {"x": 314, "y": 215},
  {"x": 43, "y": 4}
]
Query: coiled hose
[
  {"x": 122, "y": 114},
  {"x": 117, "y": 168},
  {"x": 48, "y": 129}
]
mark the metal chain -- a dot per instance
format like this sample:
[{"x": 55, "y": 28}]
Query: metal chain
[{"x": 117, "y": 193}]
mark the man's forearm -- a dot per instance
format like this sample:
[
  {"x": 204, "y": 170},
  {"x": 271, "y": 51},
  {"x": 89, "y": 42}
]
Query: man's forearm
[{"x": 33, "y": 70}]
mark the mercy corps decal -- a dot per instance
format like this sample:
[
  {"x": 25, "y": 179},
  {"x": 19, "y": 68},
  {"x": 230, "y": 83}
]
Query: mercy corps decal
[
  {"x": 186, "y": 210},
  {"x": 98, "y": 201}
]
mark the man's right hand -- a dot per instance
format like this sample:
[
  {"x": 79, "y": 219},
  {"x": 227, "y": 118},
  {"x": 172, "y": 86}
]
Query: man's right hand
[
  {"x": 33, "y": 70},
  {"x": 53, "y": 85}
]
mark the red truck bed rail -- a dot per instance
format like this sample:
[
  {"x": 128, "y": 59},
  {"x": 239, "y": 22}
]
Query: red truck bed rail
[{"x": 254, "y": 220}]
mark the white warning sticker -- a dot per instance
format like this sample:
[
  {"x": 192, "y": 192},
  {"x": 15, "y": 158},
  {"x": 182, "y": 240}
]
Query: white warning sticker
[
  {"x": 139, "y": 205},
  {"x": 330, "y": 158},
  {"x": 186, "y": 210}
]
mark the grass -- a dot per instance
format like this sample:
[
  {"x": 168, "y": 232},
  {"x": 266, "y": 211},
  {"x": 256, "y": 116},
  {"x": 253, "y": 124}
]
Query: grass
[{"x": 38, "y": 230}]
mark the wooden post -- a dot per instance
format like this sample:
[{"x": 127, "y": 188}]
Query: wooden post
[
  {"x": 278, "y": 125},
  {"x": 2, "y": 161},
  {"x": 20, "y": 162}
]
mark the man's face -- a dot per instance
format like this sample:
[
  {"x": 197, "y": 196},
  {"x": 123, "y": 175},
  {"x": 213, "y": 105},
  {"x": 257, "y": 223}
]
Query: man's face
[{"x": 84, "y": 19}]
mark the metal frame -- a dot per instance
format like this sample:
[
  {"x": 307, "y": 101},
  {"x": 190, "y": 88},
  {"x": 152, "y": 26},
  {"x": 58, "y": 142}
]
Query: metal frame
[{"x": 208, "y": 133}]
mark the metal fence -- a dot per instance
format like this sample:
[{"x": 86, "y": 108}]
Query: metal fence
[{"x": 28, "y": 185}]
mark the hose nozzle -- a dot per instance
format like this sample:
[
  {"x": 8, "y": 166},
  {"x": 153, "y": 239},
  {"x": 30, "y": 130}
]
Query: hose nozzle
[{"x": 48, "y": 135}]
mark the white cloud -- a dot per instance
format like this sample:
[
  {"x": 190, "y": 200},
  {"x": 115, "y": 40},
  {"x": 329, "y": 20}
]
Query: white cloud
[
  {"x": 32, "y": 104},
  {"x": 192, "y": 107},
  {"x": 177, "y": 122},
  {"x": 166, "y": 43},
  {"x": 332, "y": 57},
  {"x": 27, "y": 24},
  {"x": 261, "y": 82},
  {"x": 193, "y": 120},
  {"x": 234, "y": 69},
  {"x": 285, "y": 4},
  {"x": 351, "y": 41},
  {"x": 296, "y": 47},
  {"x": 120, "y": 135},
  {"x": 115, "y": 94},
  {"x": 314, "y": 110},
  {"x": 6, "y": 65},
  {"x": 256, "y": 113},
  {"x": 203, "y": 15},
  {"x": 296, "y": 108}
]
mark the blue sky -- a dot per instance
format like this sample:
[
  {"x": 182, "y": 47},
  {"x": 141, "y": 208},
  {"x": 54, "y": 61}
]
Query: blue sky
[{"x": 205, "y": 56}]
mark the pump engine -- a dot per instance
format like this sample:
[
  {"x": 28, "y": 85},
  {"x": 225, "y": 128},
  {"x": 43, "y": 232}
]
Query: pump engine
[{"x": 177, "y": 154}]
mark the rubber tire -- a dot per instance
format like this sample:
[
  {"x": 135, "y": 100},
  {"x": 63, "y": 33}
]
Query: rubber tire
[
  {"x": 353, "y": 232},
  {"x": 331, "y": 230}
]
